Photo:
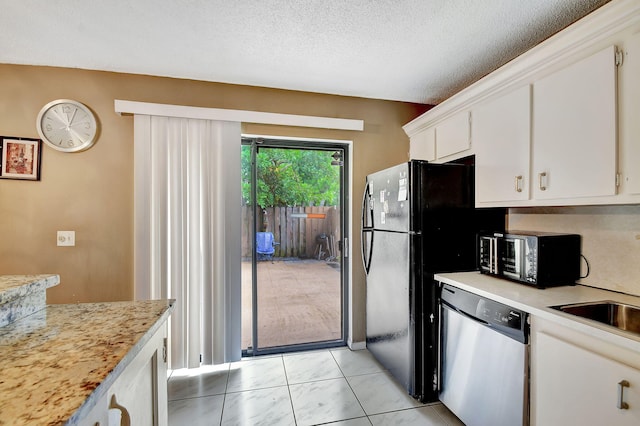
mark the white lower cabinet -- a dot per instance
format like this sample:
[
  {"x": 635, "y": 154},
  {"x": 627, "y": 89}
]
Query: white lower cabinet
[
  {"x": 575, "y": 386},
  {"x": 98, "y": 416},
  {"x": 139, "y": 394}
]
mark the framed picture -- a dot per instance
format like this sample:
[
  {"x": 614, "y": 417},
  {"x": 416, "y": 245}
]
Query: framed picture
[{"x": 20, "y": 158}]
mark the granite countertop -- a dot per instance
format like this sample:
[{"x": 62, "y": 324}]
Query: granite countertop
[
  {"x": 55, "y": 364},
  {"x": 15, "y": 286},
  {"x": 538, "y": 302}
]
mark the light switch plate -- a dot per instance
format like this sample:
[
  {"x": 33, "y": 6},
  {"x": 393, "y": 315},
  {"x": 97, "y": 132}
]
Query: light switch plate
[{"x": 66, "y": 238}]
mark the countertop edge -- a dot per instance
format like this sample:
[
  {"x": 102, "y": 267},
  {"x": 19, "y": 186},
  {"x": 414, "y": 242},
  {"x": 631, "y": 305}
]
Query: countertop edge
[
  {"x": 103, "y": 387},
  {"x": 532, "y": 301},
  {"x": 40, "y": 282}
]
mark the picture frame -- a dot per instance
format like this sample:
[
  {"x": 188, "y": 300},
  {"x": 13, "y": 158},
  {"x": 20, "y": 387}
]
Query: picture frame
[{"x": 21, "y": 158}]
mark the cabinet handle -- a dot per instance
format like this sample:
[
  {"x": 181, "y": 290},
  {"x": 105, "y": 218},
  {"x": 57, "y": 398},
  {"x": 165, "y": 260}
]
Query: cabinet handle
[
  {"x": 164, "y": 350},
  {"x": 518, "y": 180},
  {"x": 621, "y": 404},
  {"x": 541, "y": 177},
  {"x": 125, "y": 419}
]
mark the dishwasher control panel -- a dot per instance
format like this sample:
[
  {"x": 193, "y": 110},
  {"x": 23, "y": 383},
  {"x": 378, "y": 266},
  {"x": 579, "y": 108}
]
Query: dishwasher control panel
[
  {"x": 504, "y": 319},
  {"x": 497, "y": 313}
]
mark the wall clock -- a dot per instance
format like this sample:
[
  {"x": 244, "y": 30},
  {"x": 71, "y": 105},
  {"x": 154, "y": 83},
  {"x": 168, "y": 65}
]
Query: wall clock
[{"x": 67, "y": 125}]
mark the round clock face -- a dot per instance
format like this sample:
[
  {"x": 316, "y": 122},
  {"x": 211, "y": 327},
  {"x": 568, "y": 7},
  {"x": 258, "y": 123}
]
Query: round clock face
[{"x": 67, "y": 125}]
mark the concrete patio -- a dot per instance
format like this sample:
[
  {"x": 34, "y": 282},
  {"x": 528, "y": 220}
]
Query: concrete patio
[{"x": 299, "y": 301}]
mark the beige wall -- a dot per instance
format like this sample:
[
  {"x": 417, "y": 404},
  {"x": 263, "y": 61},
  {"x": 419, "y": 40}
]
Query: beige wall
[
  {"x": 610, "y": 240},
  {"x": 92, "y": 192}
]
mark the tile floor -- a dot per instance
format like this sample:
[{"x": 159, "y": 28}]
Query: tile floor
[{"x": 325, "y": 387}]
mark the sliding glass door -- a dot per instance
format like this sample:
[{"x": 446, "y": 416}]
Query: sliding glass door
[{"x": 294, "y": 228}]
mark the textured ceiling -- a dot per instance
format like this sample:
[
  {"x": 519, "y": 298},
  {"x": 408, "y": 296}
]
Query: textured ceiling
[{"x": 408, "y": 50}]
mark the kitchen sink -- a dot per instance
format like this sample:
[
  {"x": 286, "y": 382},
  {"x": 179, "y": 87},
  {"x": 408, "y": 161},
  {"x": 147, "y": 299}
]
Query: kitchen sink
[{"x": 620, "y": 315}]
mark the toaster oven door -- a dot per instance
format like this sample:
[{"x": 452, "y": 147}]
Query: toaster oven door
[
  {"x": 488, "y": 254},
  {"x": 512, "y": 257}
]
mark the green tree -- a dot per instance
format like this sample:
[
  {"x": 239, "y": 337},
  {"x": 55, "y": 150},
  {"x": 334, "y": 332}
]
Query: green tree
[{"x": 292, "y": 177}]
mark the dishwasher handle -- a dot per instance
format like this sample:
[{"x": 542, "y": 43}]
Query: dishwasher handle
[{"x": 465, "y": 314}]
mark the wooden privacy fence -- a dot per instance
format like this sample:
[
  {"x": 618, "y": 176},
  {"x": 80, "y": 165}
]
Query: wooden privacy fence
[{"x": 297, "y": 236}]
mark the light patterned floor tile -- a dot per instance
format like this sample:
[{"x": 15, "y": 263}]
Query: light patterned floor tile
[
  {"x": 311, "y": 366},
  {"x": 268, "y": 407},
  {"x": 380, "y": 393},
  {"x": 356, "y": 362},
  {"x": 257, "y": 373},
  {"x": 422, "y": 416},
  {"x": 324, "y": 401},
  {"x": 205, "y": 411},
  {"x": 204, "y": 381},
  {"x": 447, "y": 415},
  {"x": 360, "y": 421}
]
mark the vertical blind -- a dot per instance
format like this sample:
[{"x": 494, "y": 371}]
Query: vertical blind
[{"x": 187, "y": 232}]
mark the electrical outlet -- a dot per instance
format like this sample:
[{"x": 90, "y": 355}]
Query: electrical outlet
[{"x": 66, "y": 238}]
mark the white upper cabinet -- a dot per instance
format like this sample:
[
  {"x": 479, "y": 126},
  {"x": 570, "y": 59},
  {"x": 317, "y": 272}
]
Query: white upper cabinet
[
  {"x": 629, "y": 108},
  {"x": 567, "y": 131},
  {"x": 501, "y": 137},
  {"x": 453, "y": 135},
  {"x": 423, "y": 145},
  {"x": 574, "y": 130},
  {"x": 447, "y": 138}
]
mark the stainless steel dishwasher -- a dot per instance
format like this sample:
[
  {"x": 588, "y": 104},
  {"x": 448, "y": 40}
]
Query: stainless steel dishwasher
[{"x": 484, "y": 362}]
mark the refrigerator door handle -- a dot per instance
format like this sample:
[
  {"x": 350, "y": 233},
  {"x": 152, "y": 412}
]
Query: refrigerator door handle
[
  {"x": 366, "y": 208},
  {"x": 366, "y": 253}
]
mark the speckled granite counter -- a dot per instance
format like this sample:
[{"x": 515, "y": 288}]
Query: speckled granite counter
[
  {"x": 538, "y": 301},
  {"x": 56, "y": 363},
  {"x": 22, "y": 295}
]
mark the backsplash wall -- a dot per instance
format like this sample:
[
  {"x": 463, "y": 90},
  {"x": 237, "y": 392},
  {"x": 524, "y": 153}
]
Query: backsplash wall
[{"x": 610, "y": 240}]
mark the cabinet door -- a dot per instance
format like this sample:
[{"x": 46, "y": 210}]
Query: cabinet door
[
  {"x": 452, "y": 136},
  {"x": 139, "y": 395},
  {"x": 575, "y": 386},
  {"x": 574, "y": 130},
  {"x": 629, "y": 92},
  {"x": 423, "y": 145},
  {"x": 501, "y": 131},
  {"x": 98, "y": 416}
]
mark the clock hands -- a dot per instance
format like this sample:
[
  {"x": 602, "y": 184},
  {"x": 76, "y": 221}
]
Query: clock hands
[{"x": 73, "y": 116}]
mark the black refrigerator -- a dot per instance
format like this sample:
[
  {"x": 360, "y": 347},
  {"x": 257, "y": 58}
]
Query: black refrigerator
[{"x": 418, "y": 219}]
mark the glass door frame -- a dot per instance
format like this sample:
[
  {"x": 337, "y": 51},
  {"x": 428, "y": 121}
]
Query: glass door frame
[{"x": 345, "y": 258}]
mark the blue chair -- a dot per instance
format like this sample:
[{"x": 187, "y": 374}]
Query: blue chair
[{"x": 265, "y": 246}]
